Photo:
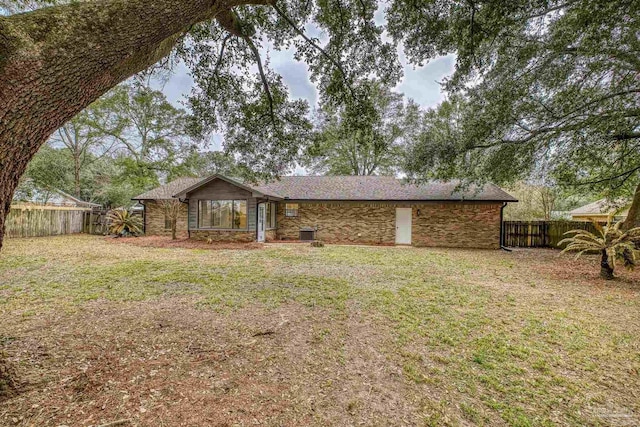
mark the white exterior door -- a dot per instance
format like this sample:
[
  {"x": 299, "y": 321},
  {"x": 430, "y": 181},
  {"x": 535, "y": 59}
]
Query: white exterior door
[
  {"x": 261, "y": 222},
  {"x": 403, "y": 226}
]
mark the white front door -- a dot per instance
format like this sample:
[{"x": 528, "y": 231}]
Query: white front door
[
  {"x": 261, "y": 221},
  {"x": 403, "y": 226}
]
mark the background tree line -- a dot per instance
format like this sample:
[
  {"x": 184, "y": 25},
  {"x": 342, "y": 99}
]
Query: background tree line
[
  {"x": 133, "y": 139},
  {"x": 127, "y": 142}
]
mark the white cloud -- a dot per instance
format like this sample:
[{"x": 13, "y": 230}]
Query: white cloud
[{"x": 423, "y": 83}]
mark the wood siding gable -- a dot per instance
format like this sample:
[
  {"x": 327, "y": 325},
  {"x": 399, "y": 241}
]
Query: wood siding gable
[{"x": 219, "y": 189}]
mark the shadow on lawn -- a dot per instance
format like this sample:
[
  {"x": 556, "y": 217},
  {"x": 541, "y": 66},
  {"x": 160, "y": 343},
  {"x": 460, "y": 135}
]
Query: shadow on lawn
[{"x": 183, "y": 243}]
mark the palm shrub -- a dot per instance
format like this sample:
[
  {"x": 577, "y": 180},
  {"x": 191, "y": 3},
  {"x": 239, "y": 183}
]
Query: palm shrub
[
  {"x": 123, "y": 223},
  {"x": 613, "y": 243}
]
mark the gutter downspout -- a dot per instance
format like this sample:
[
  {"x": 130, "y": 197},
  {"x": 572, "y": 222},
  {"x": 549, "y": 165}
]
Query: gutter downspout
[
  {"x": 186, "y": 201},
  {"x": 502, "y": 246},
  {"x": 144, "y": 217}
]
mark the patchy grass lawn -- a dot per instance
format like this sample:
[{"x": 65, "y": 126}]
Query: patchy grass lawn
[{"x": 100, "y": 331}]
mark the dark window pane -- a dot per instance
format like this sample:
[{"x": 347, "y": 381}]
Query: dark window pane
[
  {"x": 240, "y": 214},
  {"x": 222, "y": 212},
  {"x": 271, "y": 218},
  {"x": 204, "y": 214},
  {"x": 215, "y": 213}
]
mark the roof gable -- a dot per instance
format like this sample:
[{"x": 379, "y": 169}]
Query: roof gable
[
  {"x": 205, "y": 181},
  {"x": 167, "y": 191}
]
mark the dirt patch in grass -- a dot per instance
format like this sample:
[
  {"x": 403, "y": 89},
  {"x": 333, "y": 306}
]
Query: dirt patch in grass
[
  {"x": 8, "y": 382},
  {"x": 585, "y": 269},
  {"x": 170, "y": 363},
  {"x": 183, "y": 243},
  {"x": 291, "y": 335}
]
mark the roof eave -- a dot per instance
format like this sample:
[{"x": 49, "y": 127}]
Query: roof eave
[{"x": 403, "y": 200}]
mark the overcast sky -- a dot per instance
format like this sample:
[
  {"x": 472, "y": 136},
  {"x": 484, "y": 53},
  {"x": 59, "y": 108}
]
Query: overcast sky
[{"x": 419, "y": 83}]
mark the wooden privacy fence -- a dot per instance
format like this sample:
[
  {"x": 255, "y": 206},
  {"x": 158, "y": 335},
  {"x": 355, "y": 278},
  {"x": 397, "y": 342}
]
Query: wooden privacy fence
[
  {"x": 38, "y": 221},
  {"x": 540, "y": 234},
  {"x": 95, "y": 221}
]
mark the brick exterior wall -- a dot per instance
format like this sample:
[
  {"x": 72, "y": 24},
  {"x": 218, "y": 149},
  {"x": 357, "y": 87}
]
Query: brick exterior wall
[
  {"x": 224, "y": 235},
  {"x": 154, "y": 220},
  {"x": 472, "y": 225},
  {"x": 270, "y": 235},
  {"x": 458, "y": 225},
  {"x": 454, "y": 224}
]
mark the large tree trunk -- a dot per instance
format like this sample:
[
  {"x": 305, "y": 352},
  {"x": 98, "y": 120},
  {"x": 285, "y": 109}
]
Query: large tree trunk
[
  {"x": 55, "y": 61},
  {"x": 633, "y": 217},
  {"x": 606, "y": 271}
]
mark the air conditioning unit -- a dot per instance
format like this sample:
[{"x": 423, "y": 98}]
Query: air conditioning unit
[{"x": 307, "y": 234}]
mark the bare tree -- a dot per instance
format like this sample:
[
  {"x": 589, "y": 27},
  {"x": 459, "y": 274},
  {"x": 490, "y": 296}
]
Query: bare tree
[
  {"x": 173, "y": 208},
  {"x": 548, "y": 197},
  {"x": 85, "y": 145}
]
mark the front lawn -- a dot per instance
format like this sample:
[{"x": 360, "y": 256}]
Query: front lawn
[{"x": 99, "y": 331}]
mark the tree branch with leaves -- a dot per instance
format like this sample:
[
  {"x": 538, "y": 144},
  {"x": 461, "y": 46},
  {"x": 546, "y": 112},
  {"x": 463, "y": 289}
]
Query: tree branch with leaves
[
  {"x": 553, "y": 84},
  {"x": 59, "y": 58}
]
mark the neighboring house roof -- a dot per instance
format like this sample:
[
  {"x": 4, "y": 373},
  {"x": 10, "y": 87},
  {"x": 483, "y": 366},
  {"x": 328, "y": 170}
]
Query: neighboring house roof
[
  {"x": 77, "y": 201},
  {"x": 168, "y": 190},
  {"x": 51, "y": 197},
  {"x": 600, "y": 207},
  {"x": 340, "y": 188}
]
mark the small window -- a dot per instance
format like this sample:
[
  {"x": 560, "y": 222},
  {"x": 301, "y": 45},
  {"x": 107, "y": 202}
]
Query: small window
[
  {"x": 168, "y": 223},
  {"x": 291, "y": 209}
]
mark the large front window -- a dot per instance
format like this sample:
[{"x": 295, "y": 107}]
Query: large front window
[{"x": 227, "y": 214}]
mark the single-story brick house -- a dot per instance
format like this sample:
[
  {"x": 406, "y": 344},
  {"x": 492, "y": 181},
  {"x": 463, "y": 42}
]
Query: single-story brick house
[{"x": 348, "y": 209}]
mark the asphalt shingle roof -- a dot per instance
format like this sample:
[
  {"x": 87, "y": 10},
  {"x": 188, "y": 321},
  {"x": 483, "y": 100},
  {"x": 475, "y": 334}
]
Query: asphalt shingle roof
[
  {"x": 600, "y": 207},
  {"x": 375, "y": 188},
  {"x": 368, "y": 188},
  {"x": 167, "y": 191}
]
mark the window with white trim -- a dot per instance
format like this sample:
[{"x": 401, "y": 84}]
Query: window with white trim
[{"x": 291, "y": 209}]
